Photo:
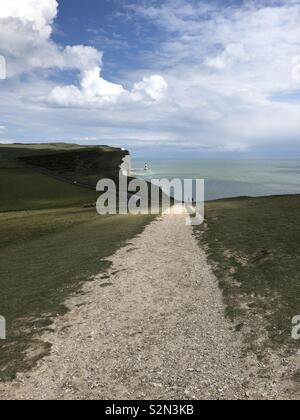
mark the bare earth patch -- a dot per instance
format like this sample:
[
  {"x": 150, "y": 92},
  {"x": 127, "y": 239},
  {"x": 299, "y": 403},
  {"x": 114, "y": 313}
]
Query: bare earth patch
[{"x": 153, "y": 327}]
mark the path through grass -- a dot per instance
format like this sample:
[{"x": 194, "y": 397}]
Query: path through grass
[
  {"x": 254, "y": 246},
  {"x": 44, "y": 256}
]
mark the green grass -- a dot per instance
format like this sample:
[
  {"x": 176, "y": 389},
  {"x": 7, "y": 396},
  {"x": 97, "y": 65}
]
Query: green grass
[
  {"x": 254, "y": 246},
  {"x": 67, "y": 162},
  {"x": 45, "y": 176},
  {"x": 45, "y": 256},
  {"x": 10, "y": 154},
  {"x": 50, "y": 243},
  {"x": 25, "y": 189}
]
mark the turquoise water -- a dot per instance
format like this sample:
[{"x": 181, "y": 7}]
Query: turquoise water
[{"x": 231, "y": 178}]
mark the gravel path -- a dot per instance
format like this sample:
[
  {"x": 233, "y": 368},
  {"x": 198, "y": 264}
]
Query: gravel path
[{"x": 153, "y": 329}]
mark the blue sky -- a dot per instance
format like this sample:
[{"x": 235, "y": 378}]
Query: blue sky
[{"x": 188, "y": 78}]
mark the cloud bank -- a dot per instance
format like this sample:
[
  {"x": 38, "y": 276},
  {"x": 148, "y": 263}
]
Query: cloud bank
[
  {"x": 219, "y": 78},
  {"x": 25, "y": 34}
]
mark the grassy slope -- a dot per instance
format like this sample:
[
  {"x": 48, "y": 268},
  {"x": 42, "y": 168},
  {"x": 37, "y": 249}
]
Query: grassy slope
[
  {"x": 254, "y": 246},
  {"x": 43, "y": 257},
  {"x": 46, "y": 254},
  {"x": 48, "y": 181},
  {"x": 9, "y": 154},
  {"x": 85, "y": 165},
  {"x": 25, "y": 189}
]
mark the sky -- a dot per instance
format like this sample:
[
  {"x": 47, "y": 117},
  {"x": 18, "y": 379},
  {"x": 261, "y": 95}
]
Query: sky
[{"x": 168, "y": 78}]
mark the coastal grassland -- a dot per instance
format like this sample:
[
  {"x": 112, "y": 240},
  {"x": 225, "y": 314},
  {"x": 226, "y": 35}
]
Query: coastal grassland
[
  {"x": 45, "y": 176},
  {"x": 70, "y": 163},
  {"x": 254, "y": 246},
  {"x": 26, "y": 189},
  {"x": 45, "y": 256},
  {"x": 10, "y": 153},
  {"x": 51, "y": 238}
]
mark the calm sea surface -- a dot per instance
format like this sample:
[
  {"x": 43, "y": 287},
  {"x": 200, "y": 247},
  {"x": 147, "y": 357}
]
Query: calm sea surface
[{"x": 231, "y": 178}]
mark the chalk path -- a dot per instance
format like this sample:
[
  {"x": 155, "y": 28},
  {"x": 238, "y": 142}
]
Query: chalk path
[{"x": 153, "y": 328}]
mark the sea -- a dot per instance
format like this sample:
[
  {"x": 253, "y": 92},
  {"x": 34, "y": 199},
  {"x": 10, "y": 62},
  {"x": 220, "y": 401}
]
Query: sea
[{"x": 228, "y": 178}]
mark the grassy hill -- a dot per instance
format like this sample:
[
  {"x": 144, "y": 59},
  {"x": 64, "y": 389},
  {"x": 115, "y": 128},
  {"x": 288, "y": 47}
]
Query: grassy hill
[
  {"x": 34, "y": 177},
  {"x": 50, "y": 243},
  {"x": 26, "y": 189}
]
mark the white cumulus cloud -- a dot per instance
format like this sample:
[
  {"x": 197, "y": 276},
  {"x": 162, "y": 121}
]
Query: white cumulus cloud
[
  {"x": 38, "y": 13},
  {"x": 217, "y": 76},
  {"x": 155, "y": 86},
  {"x": 93, "y": 90},
  {"x": 26, "y": 45}
]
